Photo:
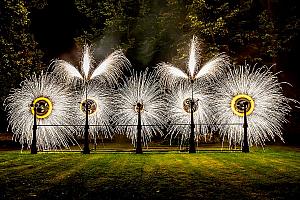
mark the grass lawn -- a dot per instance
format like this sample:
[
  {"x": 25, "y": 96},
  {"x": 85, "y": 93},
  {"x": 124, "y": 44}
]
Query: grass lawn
[{"x": 270, "y": 174}]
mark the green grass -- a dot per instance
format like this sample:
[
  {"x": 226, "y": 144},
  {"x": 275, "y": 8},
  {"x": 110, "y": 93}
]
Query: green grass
[{"x": 270, "y": 174}]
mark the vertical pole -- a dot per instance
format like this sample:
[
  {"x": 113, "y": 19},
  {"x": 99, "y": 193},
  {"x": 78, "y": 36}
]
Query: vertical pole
[
  {"x": 86, "y": 149},
  {"x": 34, "y": 128},
  {"x": 139, "y": 149},
  {"x": 95, "y": 143},
  {"x": 192, "y": 148},
  {"x": 245, "y": 148}
]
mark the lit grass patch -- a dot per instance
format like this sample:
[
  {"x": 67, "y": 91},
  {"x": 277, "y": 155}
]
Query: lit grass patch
[{"x": 261, "y": 174}]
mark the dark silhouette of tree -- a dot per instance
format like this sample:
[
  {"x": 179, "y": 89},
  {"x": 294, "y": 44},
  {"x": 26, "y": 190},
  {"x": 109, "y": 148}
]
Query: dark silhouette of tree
[{"x": 19, "y": 54}]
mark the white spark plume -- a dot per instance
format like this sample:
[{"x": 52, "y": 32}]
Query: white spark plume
[
  {"x": 270, "y": 105},
  {"x": 140, "y": 88},
  {"x": 192, "y": 58},
  {"x": 86, "y": 61},
  {"x": 170, "y": 75},
  {"x": 180, "y": 119},
  {"x": 210, "y": 66},
  {"x": 20, "y": 117},
  {"x": 101, "y": 95},
  {"x": 70, "y": 70},
  {"x": 107, "y": 71}
]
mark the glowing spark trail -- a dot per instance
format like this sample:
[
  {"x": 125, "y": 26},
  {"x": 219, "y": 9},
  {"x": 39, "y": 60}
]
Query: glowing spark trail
[
  {"x": 193, "y": 60},
  {"x": 144, "y": 89},
  {"x": 267, "y": 106},
  {"x": 179, "y": 110},
  {"x": 108, "y": 70},
  {"x": 54, "y": 107}
]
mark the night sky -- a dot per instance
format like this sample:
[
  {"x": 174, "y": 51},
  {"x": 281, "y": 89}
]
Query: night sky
[{"x": 55, "y": 26}]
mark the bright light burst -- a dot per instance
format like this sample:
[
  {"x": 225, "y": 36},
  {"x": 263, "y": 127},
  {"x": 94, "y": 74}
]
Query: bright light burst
[
  {"x": 108, "y": 70},
  {"x": 191, "y": 84},
  {"x": 179, "y": 110},
  {"x": 144, "y": 89},
  {"x": 99, "y": 108},
  {"x": 171, "y": 75},
  {"x": 267, "y": 106},
  {"x": 54, "y": 107}
]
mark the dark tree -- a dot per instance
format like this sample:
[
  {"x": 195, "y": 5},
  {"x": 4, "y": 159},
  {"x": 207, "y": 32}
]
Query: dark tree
[{"x": 19, "y": 54}]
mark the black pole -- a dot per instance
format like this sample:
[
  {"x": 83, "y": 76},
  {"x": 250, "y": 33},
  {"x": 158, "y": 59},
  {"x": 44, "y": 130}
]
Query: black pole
[
  {"x": 245, "y": 148},
  {"x": 192, "y": 148},
  {"x": 95, "y": 143},
  {"x": 34, "y": 128},
  {"x": 86, "y": 149},
  {"x": 139, "y": 149}
]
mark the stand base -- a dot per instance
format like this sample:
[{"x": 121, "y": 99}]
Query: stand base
[
  {"x": 245, "y": 149},
  {"x": 139, "y": 151},
  {"x": 192, "y": 150},
  {"x": 86, "y": 150},
  {"x": 33, "y": 151}
]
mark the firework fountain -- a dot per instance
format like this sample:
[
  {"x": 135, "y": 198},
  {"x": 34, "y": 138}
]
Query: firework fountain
[
  {"x": 97, "y": 99},
  {"x": 45, "y": 102},
  {"x": 195, "y": 73},
  {"x": 179, "y": 107},
  {"x": 251, "y": 94},
  {"x": 107, "y": 72},
  {"x": 140, "y": 105}
]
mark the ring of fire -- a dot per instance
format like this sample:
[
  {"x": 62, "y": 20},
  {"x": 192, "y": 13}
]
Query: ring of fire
[
  {"x": 237, "y": 107},
  {"x": 43, "y": 107},
  {"x": 187, "y": 105},
  {"x": 91, "y": 104}
]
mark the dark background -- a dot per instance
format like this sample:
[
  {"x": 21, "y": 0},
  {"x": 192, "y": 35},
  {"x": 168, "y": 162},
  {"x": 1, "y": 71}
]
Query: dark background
[{"x": 263, "y": 31}]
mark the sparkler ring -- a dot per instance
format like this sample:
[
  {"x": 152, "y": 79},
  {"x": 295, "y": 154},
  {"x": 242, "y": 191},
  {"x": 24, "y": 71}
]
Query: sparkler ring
[
  {"x": 187, "y": 103},
  {"x": 43, "y": 106},
  {"x": 92, "y": 106},
  {"x": 237, "y": 107}
]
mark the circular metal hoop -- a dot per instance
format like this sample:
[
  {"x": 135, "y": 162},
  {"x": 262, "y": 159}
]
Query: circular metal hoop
[
  {"x": 91, "y": 104},
  {"x": 239, "y": 101},
  {"x": 43, "y": 107}
]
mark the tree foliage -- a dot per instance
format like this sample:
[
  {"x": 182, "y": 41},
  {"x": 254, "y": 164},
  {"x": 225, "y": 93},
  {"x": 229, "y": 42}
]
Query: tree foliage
[
  {"x": 154, "y": 30},
  {"x": 19, "y": 53}
]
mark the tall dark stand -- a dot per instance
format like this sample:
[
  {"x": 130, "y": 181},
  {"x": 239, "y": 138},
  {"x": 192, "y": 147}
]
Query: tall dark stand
[
  {"x": 86, "y": 149},
  {"x": 95, "y": 143},
  {"x": 34, "y": 128},
  {"x": 139, "y": 149},
  {"x": 192, "y": 148},
  {"x": 245, "y": 147}
]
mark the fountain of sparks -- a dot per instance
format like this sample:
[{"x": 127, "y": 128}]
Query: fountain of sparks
[
  {"x": 107, "y": 72},
  {"x": 266, "y": 106},
  {"x": 179, "y": 107},
  {"x": 51, "y": 103},
  {"x": 97, "y": 100},
  {"x": 194, "y": 73},
  {"x": 140, "y": 104}
]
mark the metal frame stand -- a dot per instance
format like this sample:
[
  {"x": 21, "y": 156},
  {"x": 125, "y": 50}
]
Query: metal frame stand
[
  {"x": 139, "y": 149},
  {"x": 245, "y": 147}
]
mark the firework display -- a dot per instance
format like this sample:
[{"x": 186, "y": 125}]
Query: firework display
[
  {"x": 179, "y": 110},
  {"x": 266, "y": 106},
  {"x": 181, "y": 103},
  {"x": 98, "y": 100},
  {"x": 140, "y": 91},
  {"x": 190, "y": 87},
  {"x": 108, "y": 71},
  {"x": 171, "y": 75},
  {"x": 53, "y": 103}
]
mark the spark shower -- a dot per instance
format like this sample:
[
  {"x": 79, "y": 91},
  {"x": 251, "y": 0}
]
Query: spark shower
[{"x": 168, "y": 101}]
